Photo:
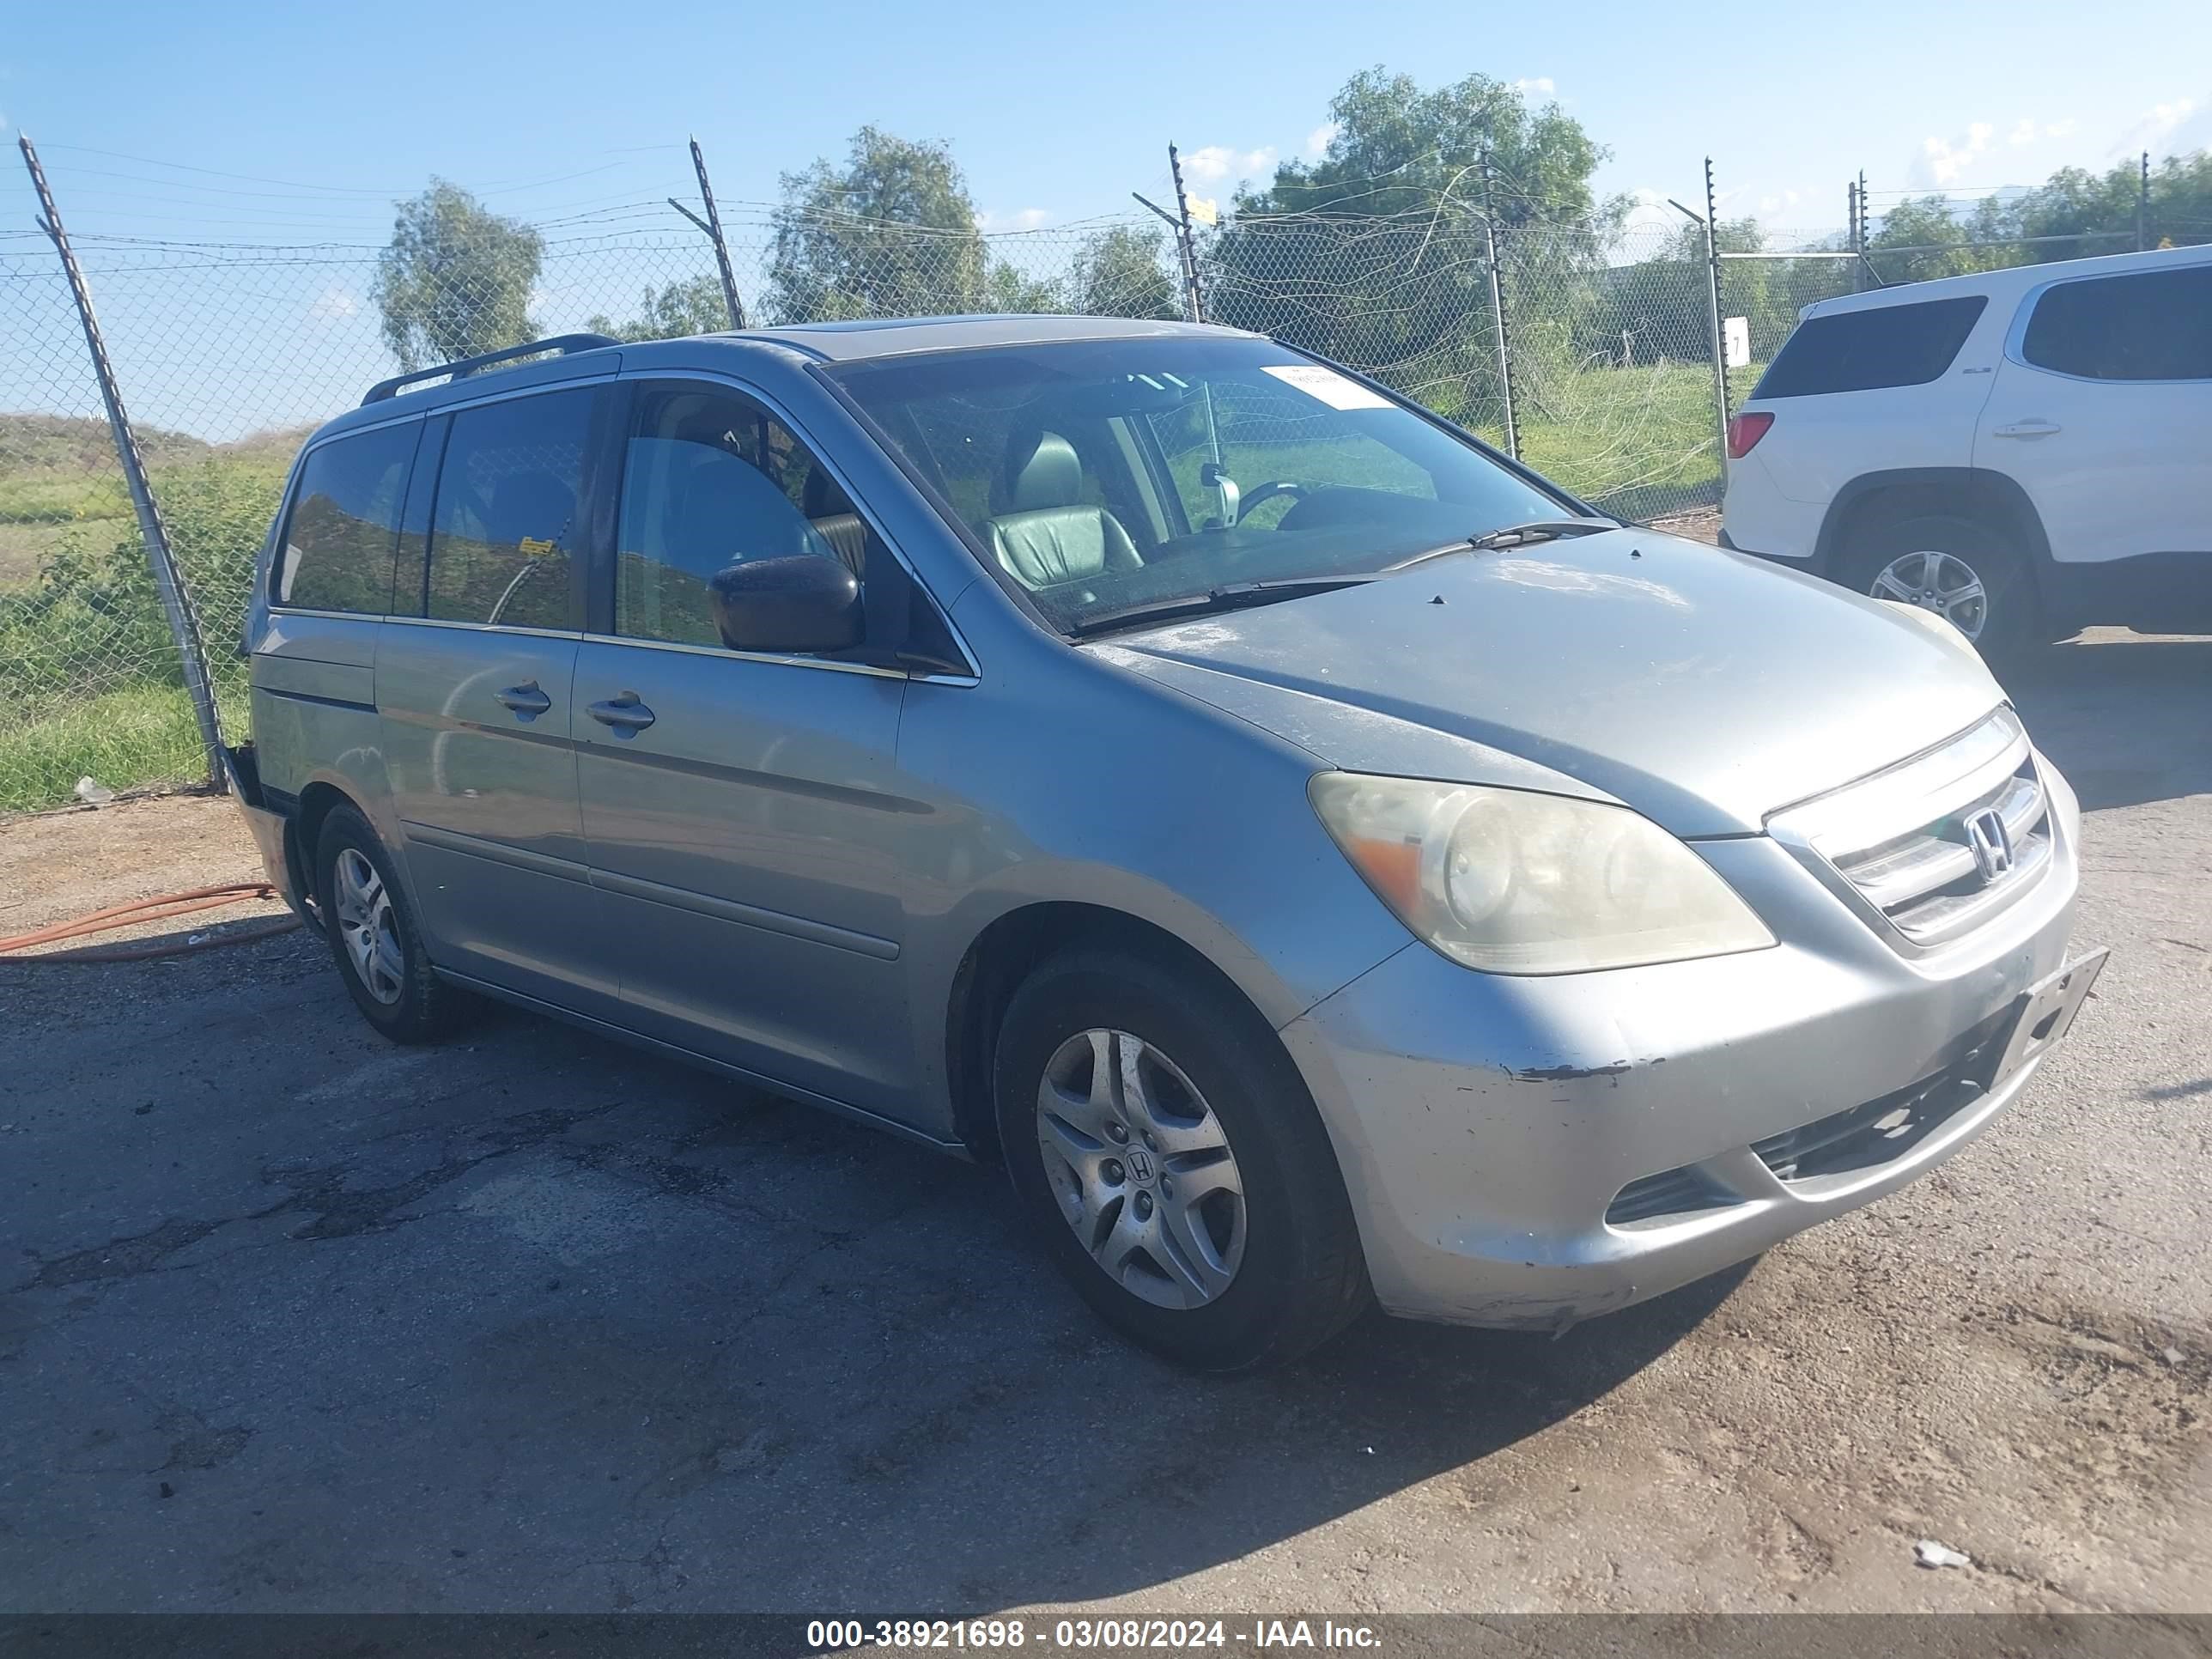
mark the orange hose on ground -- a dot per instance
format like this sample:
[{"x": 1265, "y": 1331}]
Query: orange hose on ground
[{"x": 137, "y": 911}]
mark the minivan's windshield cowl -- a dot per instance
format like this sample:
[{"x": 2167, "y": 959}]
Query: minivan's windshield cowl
[
  {"x": 1114, "y": 482},
  {"x": 1241, "y": 597},
  {"x": 1513, "y": 535}
]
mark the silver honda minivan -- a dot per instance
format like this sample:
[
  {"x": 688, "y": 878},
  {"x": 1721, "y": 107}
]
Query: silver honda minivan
[{"x": 1322, "y": 860}]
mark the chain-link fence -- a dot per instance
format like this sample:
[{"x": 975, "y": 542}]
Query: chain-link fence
[
  {"x": 228, "y": 354},
  {"x": 1768, "y": 290},
  {"x": 1606, "y": 333}
]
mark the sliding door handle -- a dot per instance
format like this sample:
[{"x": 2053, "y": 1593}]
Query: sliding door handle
[
  {"x": 525, "y": 701},
  {"x": 625, "y": 713}
]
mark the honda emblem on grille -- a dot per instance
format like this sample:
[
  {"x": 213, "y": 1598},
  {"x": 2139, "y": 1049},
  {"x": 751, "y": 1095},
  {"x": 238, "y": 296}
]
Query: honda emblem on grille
[{"x": 1991, "y": 843}]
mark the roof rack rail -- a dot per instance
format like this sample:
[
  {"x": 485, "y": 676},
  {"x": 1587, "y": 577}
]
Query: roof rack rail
[{"x": 560, "y": 344}]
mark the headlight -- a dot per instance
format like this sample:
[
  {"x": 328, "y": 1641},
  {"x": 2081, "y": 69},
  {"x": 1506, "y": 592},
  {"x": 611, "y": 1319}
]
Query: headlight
[{"x": 1517, "y": 883}]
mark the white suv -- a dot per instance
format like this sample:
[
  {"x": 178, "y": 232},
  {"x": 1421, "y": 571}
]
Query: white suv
[{"x": 2025, "y": 451}]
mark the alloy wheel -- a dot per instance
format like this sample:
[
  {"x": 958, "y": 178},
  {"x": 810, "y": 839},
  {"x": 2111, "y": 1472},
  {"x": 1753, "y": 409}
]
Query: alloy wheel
[
  {"x": 1141, "y": 1169},
  {"x": 1941, "y": 582},
  {"x": 369, "y": 927}
]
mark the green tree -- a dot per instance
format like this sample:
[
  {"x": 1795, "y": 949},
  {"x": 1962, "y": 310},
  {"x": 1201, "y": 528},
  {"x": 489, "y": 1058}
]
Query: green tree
[
  {"x": 456, "y": 278},
  {"x": 2075, "y": 203},
  {"x": 670, "y": 313},
  {"x": 891, "y": 233},
  {"x": 1118, "y": 273},
  {"x": 1381, "y": 238},
  {"x": 1398, "y": 150},
  {"x": 1931, "y": 225}
]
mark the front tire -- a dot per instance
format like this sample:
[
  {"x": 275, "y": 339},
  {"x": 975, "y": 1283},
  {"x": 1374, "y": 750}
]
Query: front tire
[
  {"x": 1957, "y": 569},
  {"x": 1171, "y": 1161},
  {"x": 375, "y": 936}
]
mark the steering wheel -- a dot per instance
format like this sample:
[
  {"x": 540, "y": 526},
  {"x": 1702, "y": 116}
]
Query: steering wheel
[{"x": 1267, "y": 492}]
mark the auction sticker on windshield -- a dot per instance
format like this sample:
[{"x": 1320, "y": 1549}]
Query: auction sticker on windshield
[{"x": 1325, "y": 384}]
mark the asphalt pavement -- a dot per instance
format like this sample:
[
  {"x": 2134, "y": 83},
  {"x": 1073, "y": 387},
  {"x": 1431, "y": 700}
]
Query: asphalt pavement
[{"x": 293, "y": 1319}]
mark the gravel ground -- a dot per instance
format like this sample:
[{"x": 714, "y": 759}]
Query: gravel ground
[{"x": 290, "y": 1319}]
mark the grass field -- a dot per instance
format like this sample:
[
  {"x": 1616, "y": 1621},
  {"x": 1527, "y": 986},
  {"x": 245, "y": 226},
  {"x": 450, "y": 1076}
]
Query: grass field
[
  {"x": 145, "y": 733},
  {"x": 89, "y": 682}
]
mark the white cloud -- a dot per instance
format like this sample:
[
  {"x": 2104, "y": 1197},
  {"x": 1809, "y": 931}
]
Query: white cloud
[
  {"x": 334, "y": 303},
  {"x": 2155, "y": 128},
  {"x": 1786, "y": 200},
  {"x": 2061, "y": 129},
  {"x": 2164, "y": 117},
  {"x": 1947, "y": 160},
  {"x": 1537, "y": 84},
  {"x": 1218, "y": 164},
  {"x": 2023, "y": 132},
  {"x": 1319, "y": 140},
  {"x": 1019, "y": 219}
]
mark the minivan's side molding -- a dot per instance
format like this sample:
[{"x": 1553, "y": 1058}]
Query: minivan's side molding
[
  {"x": 470, "y": 846},
  {"x": 749, "y": 915},
  {"x": 325, "y": 703},
  {"x": 653, "y": 892}
]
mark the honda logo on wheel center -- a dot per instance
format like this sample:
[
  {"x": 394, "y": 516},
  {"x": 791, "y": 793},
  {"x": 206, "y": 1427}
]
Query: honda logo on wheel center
[{"x": 1140, "y": 1166}]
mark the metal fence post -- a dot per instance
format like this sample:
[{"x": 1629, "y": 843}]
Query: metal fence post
[
  {"x": 713, "y": 228},
  {"x": 2143, "y": 206},
  {"x": 176, "y": 603},
  {"x": 1853, "y": 237},
  {"x": 1193, "y": 296},
  {"x": 1713, "y": 284},
  {"x": 1500, "y": 339}
]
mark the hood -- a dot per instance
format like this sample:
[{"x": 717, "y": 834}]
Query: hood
[{"x": 1701, "y": 687}]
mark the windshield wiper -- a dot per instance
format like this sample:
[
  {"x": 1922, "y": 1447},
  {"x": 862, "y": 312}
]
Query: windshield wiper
[
  {"x": 1234, "y": 596},
  {"x": 1515, "y": 535}
]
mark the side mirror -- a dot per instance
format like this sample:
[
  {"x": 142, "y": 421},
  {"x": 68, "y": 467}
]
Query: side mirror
[{"x": 806, "y": 602}]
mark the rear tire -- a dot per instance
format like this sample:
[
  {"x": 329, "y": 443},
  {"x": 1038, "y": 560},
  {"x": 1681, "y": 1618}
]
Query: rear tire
[
  {"x": 1956, "y": 567},
  {"x": 1192, "y": 1198},
  {"x": 375, "y": 938}
]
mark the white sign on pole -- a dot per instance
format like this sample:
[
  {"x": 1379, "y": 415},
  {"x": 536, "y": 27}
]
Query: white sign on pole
[{"x": 1736, "y": 342}]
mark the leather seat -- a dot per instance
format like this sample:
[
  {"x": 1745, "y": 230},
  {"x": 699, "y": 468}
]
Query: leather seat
[
  {"x": 1041, "y": 531},
  {"x": 833, "y": 520}
]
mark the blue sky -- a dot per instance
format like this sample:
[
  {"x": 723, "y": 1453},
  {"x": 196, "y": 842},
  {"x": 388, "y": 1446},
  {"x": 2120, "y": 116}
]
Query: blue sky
[
  {"x": 218, "y": 123},
  {"x": 1057, "y": 112}
]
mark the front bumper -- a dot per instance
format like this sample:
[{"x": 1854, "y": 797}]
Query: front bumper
[{"x": 1488, "y": 1126}]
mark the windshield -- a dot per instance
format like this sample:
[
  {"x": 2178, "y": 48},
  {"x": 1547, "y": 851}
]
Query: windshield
[{"x": 1102, "y": 475}]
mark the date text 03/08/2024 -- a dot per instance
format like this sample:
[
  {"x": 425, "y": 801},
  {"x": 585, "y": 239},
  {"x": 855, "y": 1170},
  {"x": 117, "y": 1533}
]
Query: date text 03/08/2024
[{"x": 830, "y": 1635}]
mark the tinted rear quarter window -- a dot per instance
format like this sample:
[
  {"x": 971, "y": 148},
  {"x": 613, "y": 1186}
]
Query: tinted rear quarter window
[
  {"x": 338, "y": 542},
  {"x": 508, "y": 520},
  {"x": 2146, "y": 325},
  {"x": 1863, "y": 350}
]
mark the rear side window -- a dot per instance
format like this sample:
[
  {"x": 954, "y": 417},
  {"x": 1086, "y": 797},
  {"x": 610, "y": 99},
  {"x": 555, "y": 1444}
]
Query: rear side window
[
  {"x": 2148, "y": 325},
  {"x": 508, "y": 521},
  {"x": 338, "y": 541},
  {"x": 1862, "y": 350}
]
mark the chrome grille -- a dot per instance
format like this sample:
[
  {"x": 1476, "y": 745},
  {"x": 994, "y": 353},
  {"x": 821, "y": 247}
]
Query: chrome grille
[{"x": 1937, "y": 845}]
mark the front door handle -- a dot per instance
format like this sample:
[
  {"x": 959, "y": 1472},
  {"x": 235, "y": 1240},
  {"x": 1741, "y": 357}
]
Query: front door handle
[
  {"x": 625, "y": 713},
  {"x": 2026, "y": 429},
  {"x": 525, "y": 700}
]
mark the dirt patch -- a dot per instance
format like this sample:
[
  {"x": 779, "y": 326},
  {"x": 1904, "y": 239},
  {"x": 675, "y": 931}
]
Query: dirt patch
[
  {"x": 1702, "y": 525},
  {"x": 55, "y": 865}
]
